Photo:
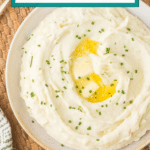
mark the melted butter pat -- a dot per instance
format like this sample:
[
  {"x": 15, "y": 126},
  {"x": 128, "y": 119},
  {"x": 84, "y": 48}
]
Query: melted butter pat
[{"x": 88, "y": 84}]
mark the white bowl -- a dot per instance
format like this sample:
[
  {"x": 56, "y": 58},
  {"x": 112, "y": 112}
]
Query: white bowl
[{"x": 13, "y": 66}]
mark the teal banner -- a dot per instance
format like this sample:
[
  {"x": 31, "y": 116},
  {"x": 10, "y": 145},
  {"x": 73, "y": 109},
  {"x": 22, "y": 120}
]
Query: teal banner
[{"x": 58, "y": 3}]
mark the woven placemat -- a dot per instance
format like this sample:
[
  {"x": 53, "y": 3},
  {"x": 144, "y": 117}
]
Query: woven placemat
[{"x": 9, "y": 23}]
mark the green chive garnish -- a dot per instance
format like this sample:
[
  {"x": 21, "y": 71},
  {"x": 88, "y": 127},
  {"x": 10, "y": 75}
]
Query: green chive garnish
[
  {"x": 128, "y": 29},
  {"x": 69, "y": 121},
  {"x": 89, "y": 128},
  {"x": 31, "y": 61},
  {"x": 32, "y": 94},
  {"x": 90, "y": 91},
  {"x": 92, "y": 23}
]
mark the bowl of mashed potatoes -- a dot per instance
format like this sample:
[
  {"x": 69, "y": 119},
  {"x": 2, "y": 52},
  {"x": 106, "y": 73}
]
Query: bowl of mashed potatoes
[{"x": 81, "y": 78}]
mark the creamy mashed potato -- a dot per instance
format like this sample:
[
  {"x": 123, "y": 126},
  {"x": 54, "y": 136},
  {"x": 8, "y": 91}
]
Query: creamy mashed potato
[{"x": 85, "y": 77}]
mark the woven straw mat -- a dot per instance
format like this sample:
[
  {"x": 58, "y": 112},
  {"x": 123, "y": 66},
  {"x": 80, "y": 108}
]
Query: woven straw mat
[{"x": 9, "y": 23}]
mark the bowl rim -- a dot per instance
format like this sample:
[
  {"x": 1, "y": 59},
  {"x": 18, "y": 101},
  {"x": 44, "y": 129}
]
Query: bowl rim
[{"x": 22, "y": 124}]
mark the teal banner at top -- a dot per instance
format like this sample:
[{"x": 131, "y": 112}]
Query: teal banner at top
[{"x": 15, "y": 3}]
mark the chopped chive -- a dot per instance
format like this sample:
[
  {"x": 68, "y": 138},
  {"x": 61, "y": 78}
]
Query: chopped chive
[
  {"x": 62, "y": 145},
  {"x": 131, "y": 78},
  {"x": 126, "y": 50},
  {"x": 57, "y": 91},
  {"x": 107, "y": 50},
  {"x": 92, "y": 23},
  {"x": 32, "y": 80},
  {"x": 79, "y": 77},
  {"x": 46, "y": 85},
  {"x": 128, "y": 71},
  {"x": 116, "y": 103},
  {"x": 57, "y": 96},
  {"x": 39, "y": 45},
  {"x": 28, "y": 39},
  {"x": 128, "y": 29},
  {"x": 89, "y": 30},
  {"x": 132, "y": 39},
  {"x": 131, "y": 102},
  {"x": 78, "y": 25},
  {"x": 47, "y": 61},
  {"x": 84, "y": 35},
  {"x": 90, "y": 91},
  {"x": 76, "y": 127},
  {"x": 100, "y": 113},
  {"x": 88, "y": 78},
  {"x": 32, "y": 94},
  {"x": 32, "y": 121},
  {"x": 80, "y": 91},
  {"x": 102, "y": 30},
  {"x": 80, "y": 123},
  {"x": 65, "y": 87},
  {"x": 63, "y": 79},
  {"x": 115, "y": 54},
  {"x": 97, "y": 139},
  {"x": 50, "y": 105},
  {"x": 89, "y": 128},
  {"x": 123, "y": 55},
  {"x": 76, "y": 86},
  {"x": 121, "y": 63},
  {"x": 69, "y": 121},
  {"x": 111, "y": 84},
  {"x": 31, "y": 61},
  {"x": 122, "y": 92},
  {"x": 136, "y": 71},
  {"x": 124, "y": 107},
  {"x": 83, "y": 87},
  {"x": 61, "y": 61}
]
